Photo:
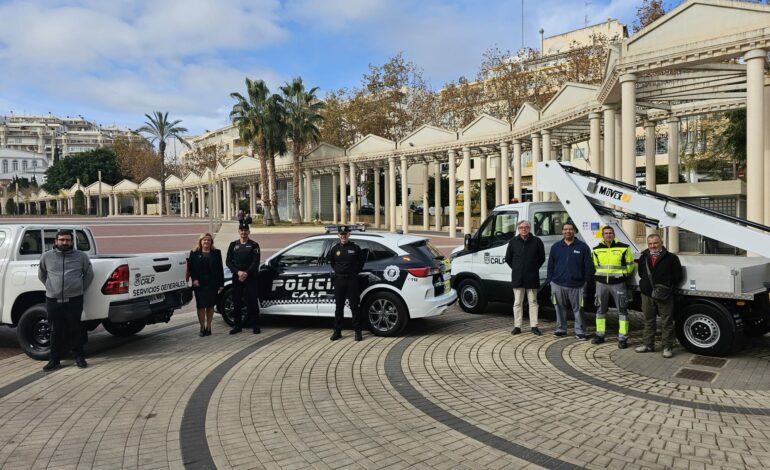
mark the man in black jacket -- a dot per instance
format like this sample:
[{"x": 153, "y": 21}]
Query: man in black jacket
[
  {"x": 243, "y": 260},
  {"x": 347, "y": 261},
  {"x": 525, "y": 255},
  {"x": 658, "y": 267}
]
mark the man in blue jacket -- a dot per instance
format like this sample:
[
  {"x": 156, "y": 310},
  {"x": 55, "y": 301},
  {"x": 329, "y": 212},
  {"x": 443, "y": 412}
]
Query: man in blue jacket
[{"x": 569, "y": 268}]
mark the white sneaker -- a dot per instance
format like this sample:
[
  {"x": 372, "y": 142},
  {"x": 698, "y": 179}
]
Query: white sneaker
[
  {"x": 668, "y": 353},
  {"x": 643, "y": 349}
]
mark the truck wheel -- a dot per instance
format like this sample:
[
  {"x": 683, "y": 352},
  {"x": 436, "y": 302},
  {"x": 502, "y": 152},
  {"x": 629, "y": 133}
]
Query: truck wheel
[
  {"x": 706, "y": 328},
  {"x": 34, "y": 333},
  {"x": 471, "y": 297},
  {"x": 225, "y": 306},
  {"x": 122, "y": 329},
  {"x": 386, "y": 313}
]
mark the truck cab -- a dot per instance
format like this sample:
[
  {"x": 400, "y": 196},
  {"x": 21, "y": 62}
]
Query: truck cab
[{"x": 479, "y": 271}]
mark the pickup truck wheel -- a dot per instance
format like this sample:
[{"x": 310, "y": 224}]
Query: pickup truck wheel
[
  {"x": 34, "y": 333},
  {"x": 226, "y": 307},
  {"x": 386, "y": 313},
  {"x": 706, "y": 329},
  {"x": 128, "y": 328},
  {"x": 471, "y": 297}
]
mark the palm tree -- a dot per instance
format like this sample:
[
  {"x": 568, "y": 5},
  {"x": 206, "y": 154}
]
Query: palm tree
[
  {"x": 275, "y": 143},
  {"x": 250, "y": 116},
  {"x": 158, "y": 128},
  {"x": 303, "y": 116}
]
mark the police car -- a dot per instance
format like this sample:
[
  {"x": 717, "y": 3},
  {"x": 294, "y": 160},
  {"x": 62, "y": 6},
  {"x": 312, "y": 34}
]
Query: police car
[{"x": 404, "y": 277}]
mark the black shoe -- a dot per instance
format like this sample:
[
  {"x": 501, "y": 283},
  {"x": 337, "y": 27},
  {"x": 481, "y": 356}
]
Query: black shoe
[
  {"x": 235, "y": 329},
  {"x": 535, "y": 331},
  {"x": 581, "y": 337},
  {"x": 256, "y": 330},
  {"x": 516, "y": 330},
  {"x": 622, "y": 343},
  {"x": 336, "y": 335},
  {"x": 560, "y": 334},
  {"x": 81, "y": 362},
  {"x": 597, "y": 340},
  {"x": 51, "y": 366},
  {"x": 359, "y": 336},
  {"x": 202, "y": 333},
  {"x": 207, "y": 331}
]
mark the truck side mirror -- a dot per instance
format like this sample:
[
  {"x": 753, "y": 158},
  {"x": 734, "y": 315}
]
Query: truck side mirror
[{"x": 471, "y": 244}]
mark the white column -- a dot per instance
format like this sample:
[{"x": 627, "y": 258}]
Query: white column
[
  {"x": 767, "y": 151},
  {"x": 88, "y": 204},
  {"x": 755, "y": 144},
  {"x": 628, "y": 133},
  {"x": 404, "y": 195},
  {"x": 546, "y": 155},
  {"x": 425, "y": 202},
  {"x": 335, "y": 187},
  {"x": 483, "y": 185},
  {"x": 309, "y": 215},
  {"x": 110, "y": 205},
  {"x": 392, "y": 193},
  {"x": 673, "y": 175},
  {"x": 595, "y": 142},
  {"x": 141, "y": 203},
  {"x": 228, "y": 199},
  {"x": 649, "y": 162},
  {"x": 452, "y": 193},
  {"x": 437, "y": 194},
  {"x": 609, "y": 141},
  {"x": 353, "y": 193},
  {"x": 166, "y": 204},
  {"x": 618, "y": 148},
  {"x": 535, "y": 139},
  {"x": 343, "y": 196},
  {"x": 566, "y": 152},
  {"x": 466, "y": 191},
  {"x": 498, "y": 179},
  {"x": 517, "y": 170},
  {"x": 505, "y": 166},
  {"x": 377, "y": 201}
]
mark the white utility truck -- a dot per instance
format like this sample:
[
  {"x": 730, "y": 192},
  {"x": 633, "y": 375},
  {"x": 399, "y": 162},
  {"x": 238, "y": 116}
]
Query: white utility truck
[
  {"x": 720, "y": 298},
  {"x": 127, "y": 293}
]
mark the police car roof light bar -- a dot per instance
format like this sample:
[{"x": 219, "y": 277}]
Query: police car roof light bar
[{"x": 351, "y": 227}]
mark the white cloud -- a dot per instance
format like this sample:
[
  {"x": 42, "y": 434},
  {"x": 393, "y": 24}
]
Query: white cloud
[{"x": 336, "y": 14}]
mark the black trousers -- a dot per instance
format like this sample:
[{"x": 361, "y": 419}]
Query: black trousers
[
  {"x": 64, "y": 319},
  {"x": 347, "y": 288},
  {"x": 247, "y": 290}
]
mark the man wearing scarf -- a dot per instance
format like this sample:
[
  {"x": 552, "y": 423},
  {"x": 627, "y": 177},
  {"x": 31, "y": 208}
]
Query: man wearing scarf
[{"x": 657, "y": 266}]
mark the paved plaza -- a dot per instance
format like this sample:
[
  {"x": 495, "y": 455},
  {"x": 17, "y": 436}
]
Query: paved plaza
[{"x": 458, "y": 391}]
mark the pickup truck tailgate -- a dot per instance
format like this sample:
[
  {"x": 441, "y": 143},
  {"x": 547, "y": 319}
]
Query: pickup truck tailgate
[{"x": 156, "y": 273}]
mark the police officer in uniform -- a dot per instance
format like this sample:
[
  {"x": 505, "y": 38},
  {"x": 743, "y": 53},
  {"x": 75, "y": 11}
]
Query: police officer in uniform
[
  {"x": 347, "y": 261},
  {"x": 243, "y": 261}
]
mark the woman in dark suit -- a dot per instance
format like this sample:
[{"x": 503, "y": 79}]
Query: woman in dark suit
[{"x": 208, "y": 279}]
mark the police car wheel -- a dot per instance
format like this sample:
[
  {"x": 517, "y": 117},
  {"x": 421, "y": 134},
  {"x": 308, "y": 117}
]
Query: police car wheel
[
  {"x": 34, "y": 333},
  {"x": 123, "y": 329},
  {"x": 226, "y": 306},
  {"x": 471, "y": 297},
  {"x": 386, "y": 313}
]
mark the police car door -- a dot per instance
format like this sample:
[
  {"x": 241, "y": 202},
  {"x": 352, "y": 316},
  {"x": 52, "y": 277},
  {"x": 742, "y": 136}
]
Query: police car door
[
  {"x": 489, "y": 260},
  {"x": 292, "y": 282}
]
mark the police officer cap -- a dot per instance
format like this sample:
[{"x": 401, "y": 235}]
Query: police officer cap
[{"x": 343, "y": 229}]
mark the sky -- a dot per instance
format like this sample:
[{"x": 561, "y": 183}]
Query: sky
[{"x": 113, "y": 61}]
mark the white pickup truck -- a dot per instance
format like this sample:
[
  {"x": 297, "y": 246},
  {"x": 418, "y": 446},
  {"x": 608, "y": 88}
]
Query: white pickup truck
[{"x": 127, "y": 293}]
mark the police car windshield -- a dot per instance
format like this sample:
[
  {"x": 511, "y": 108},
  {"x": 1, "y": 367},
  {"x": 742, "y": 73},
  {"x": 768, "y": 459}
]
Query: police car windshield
[{"x": 423, "y": 250}]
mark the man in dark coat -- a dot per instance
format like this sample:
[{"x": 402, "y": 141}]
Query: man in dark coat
[
  {"x": 525, "y": 255},
  {"x": 665, "y": 269}
]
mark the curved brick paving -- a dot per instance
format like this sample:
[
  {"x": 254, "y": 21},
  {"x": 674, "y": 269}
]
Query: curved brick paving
[{"x": 458, "y": 392}]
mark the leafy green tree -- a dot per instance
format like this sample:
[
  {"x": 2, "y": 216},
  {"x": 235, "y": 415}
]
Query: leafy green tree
[
  {"x": 79, "y": 203},
  {"x": 10, "y": 206},
  {"x": 85, "y": 166},
  {"x": 158, "y": 128},
  {"x": 303, "y": 117}
]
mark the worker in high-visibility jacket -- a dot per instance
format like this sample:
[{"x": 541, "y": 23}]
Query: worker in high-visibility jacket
[{"x": 614, "y": 265}]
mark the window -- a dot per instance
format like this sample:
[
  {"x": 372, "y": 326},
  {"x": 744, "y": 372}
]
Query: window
[
  {"x": 374, "y": 251},
  {"x": 15, "y": 165},
  {"x": 82, "y": 241},
  {"x": 24, "y": 165},
  {"x": 498, "y": 229},
  {"x": 305, "y": 254},
  {"x": 3, "y": 236},
  {"x": 549, "y": 223},
  {"x": 34, "y": 163},
  {"x": 5, "y": 166},
  {"x": 31, "y": 244}
]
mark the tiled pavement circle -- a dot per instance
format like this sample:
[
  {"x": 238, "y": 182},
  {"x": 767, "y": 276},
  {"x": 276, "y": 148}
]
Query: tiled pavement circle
[{"x": 458, "y": 392}]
